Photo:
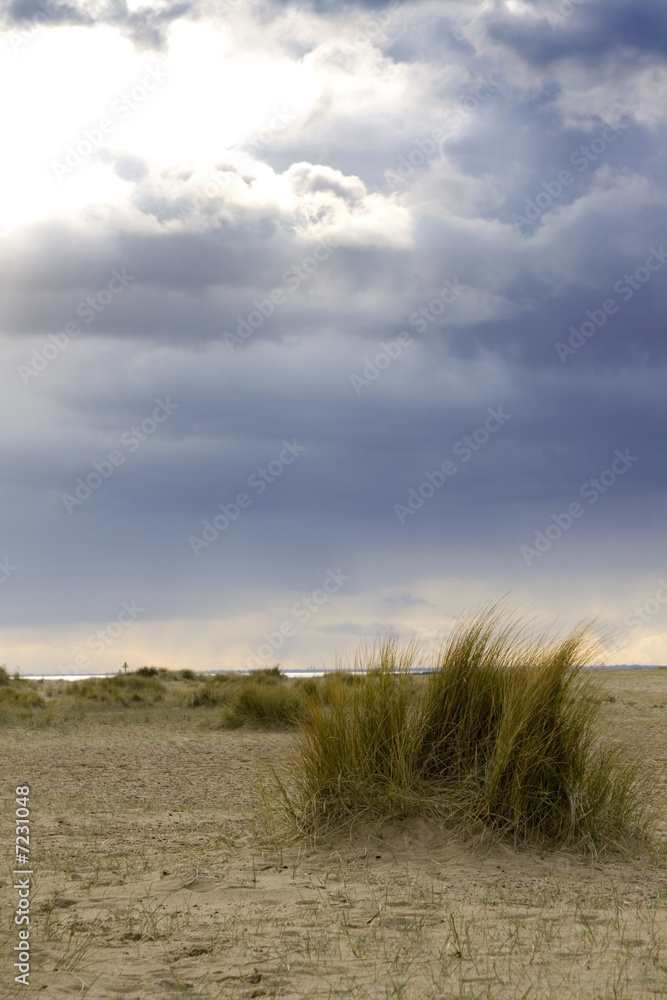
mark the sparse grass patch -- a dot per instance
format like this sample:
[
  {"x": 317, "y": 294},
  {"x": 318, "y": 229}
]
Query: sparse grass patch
[{"x": 157, "y": 691}]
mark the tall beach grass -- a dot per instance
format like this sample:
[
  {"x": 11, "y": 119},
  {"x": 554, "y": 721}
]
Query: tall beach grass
[{"x": 500, "y": 737}]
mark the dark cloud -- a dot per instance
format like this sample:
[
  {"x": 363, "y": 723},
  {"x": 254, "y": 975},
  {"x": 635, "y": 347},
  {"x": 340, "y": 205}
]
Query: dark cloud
[
  {"x": 147, "y": 27},
  {"x": 589, "y": 31},
  {"x": 30, "y": 13},
  {"x": 501, "y": 273}
]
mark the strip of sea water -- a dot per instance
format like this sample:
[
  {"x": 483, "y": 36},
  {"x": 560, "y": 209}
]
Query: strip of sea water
[{"x": 297, "y": 673}]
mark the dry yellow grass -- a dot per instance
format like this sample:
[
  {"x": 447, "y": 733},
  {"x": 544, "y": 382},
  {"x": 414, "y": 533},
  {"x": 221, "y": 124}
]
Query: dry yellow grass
[{"x": 153, "y": 880}]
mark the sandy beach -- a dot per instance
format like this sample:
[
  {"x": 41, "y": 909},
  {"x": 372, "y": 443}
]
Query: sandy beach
[{"x": 153, "y": 877}]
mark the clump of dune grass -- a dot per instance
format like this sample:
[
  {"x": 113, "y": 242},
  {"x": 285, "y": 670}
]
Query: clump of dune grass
[
  {"x": 323, "y": 690},
  {"x": 216, "y": 690},
  {"x": 122, "y": 688},
  {"x": 265, "y": 706},
  {"x": 4, "y": 677},
  {"x": 149, "y": 671},
  {"x": 28, "y": 698},
  {"x": 500, "y": 737},
  {"x": 18, "y": 703},
  {"x": 356, "y": 748},
  {"x": 268, "y": 675}
]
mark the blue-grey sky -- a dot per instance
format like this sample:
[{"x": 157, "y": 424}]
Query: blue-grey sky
[{"x": 320, "y": 319}]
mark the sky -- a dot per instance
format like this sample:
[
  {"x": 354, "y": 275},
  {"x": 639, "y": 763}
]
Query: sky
[{"x": 321, "y": 320}]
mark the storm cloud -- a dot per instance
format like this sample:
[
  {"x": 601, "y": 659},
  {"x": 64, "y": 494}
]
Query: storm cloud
[{"x": 291, "y": 290}]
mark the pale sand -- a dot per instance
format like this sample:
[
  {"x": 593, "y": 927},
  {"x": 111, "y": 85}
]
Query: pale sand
[{"x": 150, "y": 882}]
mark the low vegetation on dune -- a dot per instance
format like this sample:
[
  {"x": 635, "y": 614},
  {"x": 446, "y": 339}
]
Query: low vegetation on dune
[
  {"x": 264, "y": 699},
  {"x": 123, "y": 688}
]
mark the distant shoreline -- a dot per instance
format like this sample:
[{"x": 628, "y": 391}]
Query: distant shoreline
[{"x": 297, "y": 673}]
